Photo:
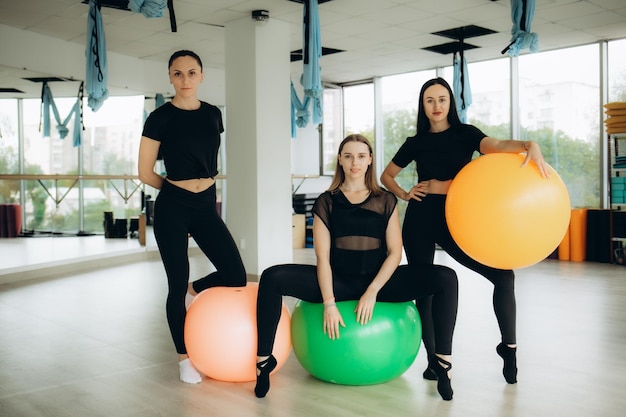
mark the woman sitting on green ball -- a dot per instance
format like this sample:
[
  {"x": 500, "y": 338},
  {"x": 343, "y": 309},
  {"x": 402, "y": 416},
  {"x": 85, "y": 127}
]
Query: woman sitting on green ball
[{"x": 358, "y": 245}]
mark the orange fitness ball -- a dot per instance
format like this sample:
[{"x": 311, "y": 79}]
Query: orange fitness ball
[
  {"x": 504, "y": 215},
  {"x": 221, "y": 335}
]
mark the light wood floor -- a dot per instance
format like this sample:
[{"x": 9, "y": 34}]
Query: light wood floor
[{"x": 95, "y": 343}]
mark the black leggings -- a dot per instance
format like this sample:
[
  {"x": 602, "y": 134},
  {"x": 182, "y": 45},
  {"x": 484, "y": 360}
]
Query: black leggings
[
  {"x": 424, "y": 225},
  {"x": 407, "y": 283},
  {"x": 177, "y": 214}
]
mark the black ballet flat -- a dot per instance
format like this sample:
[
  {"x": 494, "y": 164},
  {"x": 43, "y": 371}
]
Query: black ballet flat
[
  {"x": 429, "y": 374},
  {"x": 441, "y": 368},
  {"x": 263, "y": 378},
  {"x": 508, "y": 354}
]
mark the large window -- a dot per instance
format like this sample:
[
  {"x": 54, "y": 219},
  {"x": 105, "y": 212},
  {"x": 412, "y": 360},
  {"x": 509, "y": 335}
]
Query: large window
[
  {"x": 109, "y": 147},
  {"x": 617, "y": 70},
  {"x": 400, "y": 96},
  {"x": 490, "y": 109},
  {"x": 358, "y": 110},
  {"x": 559, "y": 105},
  {"x": 9, "y": 150},
  {"x": 347, "y": 110},
  {"x": 332, "y": 129}
]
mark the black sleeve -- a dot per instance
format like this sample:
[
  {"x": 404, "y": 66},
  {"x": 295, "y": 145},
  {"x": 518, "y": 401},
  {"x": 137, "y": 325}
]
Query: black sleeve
[
  {"x": 391, "y": 203},
  {"x": 404, "y": 155},
  {"x": 322, "y": 208},
  {"x": 153, "y": 127}
]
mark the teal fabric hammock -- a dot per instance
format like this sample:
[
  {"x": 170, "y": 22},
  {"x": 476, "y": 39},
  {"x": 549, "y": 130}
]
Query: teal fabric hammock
[
  {"x": 148, "y": 8},
  {"x": 299, "y": 111},
  {"x": 310, "y": 79},
  {"x": 47, "y": 103},
  {"x": 96, "y": 58},
  {"x": 522, "y": 15},
  {"x": 159, "y": 100},
  {"x": 153, "y": 9},
  {"x": 311, "y": 54},
  {"x": 461, "y": 86}
]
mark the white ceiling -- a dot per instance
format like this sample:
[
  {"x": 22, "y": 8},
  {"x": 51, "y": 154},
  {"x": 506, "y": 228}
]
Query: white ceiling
[{"x": 380, "y": 37}]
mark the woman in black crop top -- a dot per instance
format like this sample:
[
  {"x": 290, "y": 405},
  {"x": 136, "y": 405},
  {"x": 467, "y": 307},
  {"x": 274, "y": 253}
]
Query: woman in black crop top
[
  {"x": 358, "y": 245},
  {"x": 441, "y": 147},
  {"x": 186, "y": 132}
]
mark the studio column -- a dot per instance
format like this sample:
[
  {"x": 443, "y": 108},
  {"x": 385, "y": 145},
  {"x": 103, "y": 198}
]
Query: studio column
[{"x": 258, "y": 142}]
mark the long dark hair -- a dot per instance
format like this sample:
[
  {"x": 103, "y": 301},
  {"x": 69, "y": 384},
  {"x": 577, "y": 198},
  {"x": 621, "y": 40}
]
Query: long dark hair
[
  {"x": 184, "y": 52},
  {"x": 370, "y": 176},
  {"x": 423, "y": 124}
]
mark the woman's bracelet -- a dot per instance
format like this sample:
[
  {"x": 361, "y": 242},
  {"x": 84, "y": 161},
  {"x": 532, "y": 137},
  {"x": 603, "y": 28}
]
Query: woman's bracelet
[
  {"x": 524, "y": 146},
  {"x": 329, "y": 302}
]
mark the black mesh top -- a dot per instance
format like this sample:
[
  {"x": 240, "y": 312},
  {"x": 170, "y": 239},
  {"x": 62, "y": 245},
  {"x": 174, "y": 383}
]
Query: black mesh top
[{"x": 358, "y": 245}]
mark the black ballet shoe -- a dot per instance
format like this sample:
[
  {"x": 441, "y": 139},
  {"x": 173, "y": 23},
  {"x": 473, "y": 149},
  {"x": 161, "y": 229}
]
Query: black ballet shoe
[
  {"x": 429, "y": 373},
  {"x": 441, "y": 368},
  {"x": 510, "y": 362},
  {"x": 263, "y": 378}
]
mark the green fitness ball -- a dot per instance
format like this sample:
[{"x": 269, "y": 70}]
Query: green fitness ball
[{"x": 376, "y": 352}]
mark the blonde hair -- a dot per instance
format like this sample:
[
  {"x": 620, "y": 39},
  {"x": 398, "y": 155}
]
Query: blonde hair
[{"x": 370, "y": 176}]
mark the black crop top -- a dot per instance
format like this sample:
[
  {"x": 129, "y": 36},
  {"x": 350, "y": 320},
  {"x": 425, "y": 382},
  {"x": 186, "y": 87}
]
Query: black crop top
[
  {"x": 440, "y": 155},
  {"x": 357, "y": 231},
  {"x": 190, "y": 139}
]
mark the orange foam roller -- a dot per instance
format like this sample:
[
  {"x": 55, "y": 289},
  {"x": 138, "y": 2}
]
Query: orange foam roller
[
  {"x": 578, "y": 235},
  {"x": 504, "y": 215},
  {"x": 221, "y": 335},
  {"x": 564, "y": 247}
]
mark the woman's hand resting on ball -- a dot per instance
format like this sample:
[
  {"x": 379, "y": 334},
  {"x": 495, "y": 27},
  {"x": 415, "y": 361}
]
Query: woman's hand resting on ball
[
  {"x": 365, "y": 307},
  {"x": 332, "y": 320}
]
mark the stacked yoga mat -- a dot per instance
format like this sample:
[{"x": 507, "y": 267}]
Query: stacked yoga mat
[{"x": 615, "y": 121}]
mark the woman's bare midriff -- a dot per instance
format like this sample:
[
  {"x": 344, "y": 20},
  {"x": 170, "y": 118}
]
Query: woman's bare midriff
[
  {"x": 438, "y": 187},
  {"x": 196, "y": 185}
]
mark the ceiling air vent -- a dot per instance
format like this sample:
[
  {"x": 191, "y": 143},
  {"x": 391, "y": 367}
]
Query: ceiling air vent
[{"x": 459, "y": 34}]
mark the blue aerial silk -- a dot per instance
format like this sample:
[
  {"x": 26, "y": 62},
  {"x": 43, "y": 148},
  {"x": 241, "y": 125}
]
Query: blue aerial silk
[
  {"x": 47, "y": 102},
  {"x": 299, "y": 111},
  {"x": 159, "y": 100},
  {"x": 522, "y": 15},
  {"x": 97, "y": 77},
  {"x": 311, "y": 54},
  {"x": 149, "y": 8},
  {"x": 461, "y": 86}
]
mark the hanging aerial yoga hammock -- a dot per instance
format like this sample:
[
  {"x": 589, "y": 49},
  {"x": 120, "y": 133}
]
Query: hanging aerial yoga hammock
[
  {"x": 148, "y": 8},
  {"x": 154, "y": 8},
  {"x": 311, "y": 54},
  {"x": 97, "y": 77},
  {"x": 461, "y": 85},
  {"x": 311, "y": 75},
  {"x": 299, "y": 111},
  {"x": 522, "y": 15},
  {"x": 47, "y": 102}
]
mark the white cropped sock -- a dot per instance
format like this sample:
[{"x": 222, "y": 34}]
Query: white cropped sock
[
  {"x": 188, "y": 373},
  {"x": 188, "y": 300}
]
